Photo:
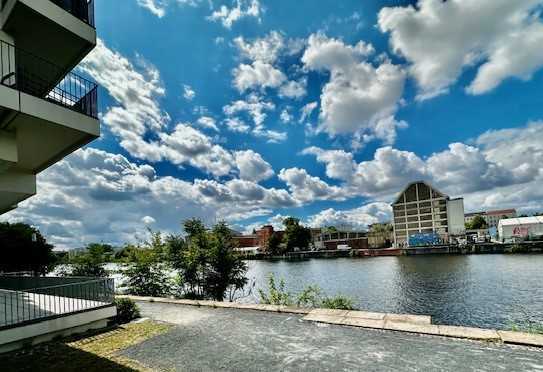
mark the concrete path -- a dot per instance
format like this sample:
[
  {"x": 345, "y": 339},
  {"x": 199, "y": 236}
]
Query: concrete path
[{"x": 207, "y": 339}]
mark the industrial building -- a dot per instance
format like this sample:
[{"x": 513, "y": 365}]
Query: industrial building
[
  {"x": 520, "y": 229},
  {"x": 424, "y": 215},
  {"x": 341, "y": 240}
]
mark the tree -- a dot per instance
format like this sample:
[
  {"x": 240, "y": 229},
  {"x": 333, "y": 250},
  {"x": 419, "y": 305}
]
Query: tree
[
  {"x": 146, "y": 275},
  {"x": 478, "y": 222},
  {"x": 226, "y": 269},
  {"x": 296, "y": 235},
  {"x": 25, "y": 249},
  {"x": 91, "y": 262},
  {"x": 274, "y": 244}
]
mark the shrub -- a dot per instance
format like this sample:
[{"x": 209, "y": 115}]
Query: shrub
[
  {"x": 338, "y": 302},
  {"x": 277, "y": 295},
  {"x": 127, "y": 310}
]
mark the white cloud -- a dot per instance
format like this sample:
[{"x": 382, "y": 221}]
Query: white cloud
[
  {"x": 136, "y": 92},
  {"x": 305, "y": 187},
  {"x": 148, "y": 220},
  {"x": 157, "y": 7},
  {"x": 237, "y": 125},
  {"x": 255, "y": 108},
  {"x": 207, "y": 122},
  {"x": 285, "y": 116},
  {"x": 188, "y": 92},
  {"x": 252, "y": 167},
  {"x": 266, "y": 49},
  {"x": 240, "y": 9},
  {"x": 339, "y": 164},
  {"x": 293, "y": 89},
  {"x": 257, "y": 75},
  {"x": 359, "y": 94},
  {"x": 307, "y": 110},
  {"x": 442, "y": 38},
  {"x": 357, "y": 218}
]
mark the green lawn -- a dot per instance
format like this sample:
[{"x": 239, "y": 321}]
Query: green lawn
[{"x": 90, "y": 352}]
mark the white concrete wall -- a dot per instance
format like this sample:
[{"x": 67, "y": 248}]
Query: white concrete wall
[{"x": 455, "y": 216}]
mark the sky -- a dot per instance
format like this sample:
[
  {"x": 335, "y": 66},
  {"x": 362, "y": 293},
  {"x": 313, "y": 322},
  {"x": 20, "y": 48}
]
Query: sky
[{"x": 249, "y": 111}]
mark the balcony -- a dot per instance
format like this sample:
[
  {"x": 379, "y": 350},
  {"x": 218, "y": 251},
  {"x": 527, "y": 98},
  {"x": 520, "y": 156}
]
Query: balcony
[
  {"x": 39, "y": 308},
  {"x": 33, "y": 75},
  {"x": 60, "y": 31},
  {"x": 81, "y": 9}
]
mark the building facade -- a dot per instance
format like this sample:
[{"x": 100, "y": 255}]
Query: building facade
[
  {"x": 421, "y": 210},
  {"x": 46, "y": 110},
  {"x": 341, "y": 240},
  {"x": 520, "y": 229},
  {"x": 492, "y": 218}
]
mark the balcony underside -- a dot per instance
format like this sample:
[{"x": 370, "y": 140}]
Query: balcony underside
[
  {"x": 45, "y": 132},
  {"x": 46, "y": 30},
  {"x": 15, "y": 186}
]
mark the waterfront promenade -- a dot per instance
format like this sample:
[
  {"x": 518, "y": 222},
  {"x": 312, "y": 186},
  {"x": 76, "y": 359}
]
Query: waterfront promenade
[{"x": 210, "y": 339}]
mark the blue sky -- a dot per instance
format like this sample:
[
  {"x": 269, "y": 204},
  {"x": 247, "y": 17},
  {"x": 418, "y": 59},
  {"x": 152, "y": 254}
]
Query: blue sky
[{"x": 202, "y": 107}]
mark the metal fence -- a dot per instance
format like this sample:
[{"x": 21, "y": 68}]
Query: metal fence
[
  {"x": 82, "y": 9},
  {"x": 33, "y": 75},
  {"x": 25, "y": 300}
]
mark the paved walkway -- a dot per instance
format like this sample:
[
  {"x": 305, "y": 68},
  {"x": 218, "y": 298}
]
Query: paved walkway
[{"x": 207, "y": 339}]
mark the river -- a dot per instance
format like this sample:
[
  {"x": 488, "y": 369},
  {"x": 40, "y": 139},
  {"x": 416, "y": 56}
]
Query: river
[{"x": 494, "y": 291}]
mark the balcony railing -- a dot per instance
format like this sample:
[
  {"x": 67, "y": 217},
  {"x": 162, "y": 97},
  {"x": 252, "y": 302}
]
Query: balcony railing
[
  {"x": 27, "y": 300},
  {"x": 82, "y": 9},
  {"x": 33, "y": 75}
]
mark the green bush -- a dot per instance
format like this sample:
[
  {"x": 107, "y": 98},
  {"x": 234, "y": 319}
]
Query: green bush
[
  {"x": 127, "y": 310},
  {"x": 277, "y": 295},
  {"x": 338, "y": 302}
]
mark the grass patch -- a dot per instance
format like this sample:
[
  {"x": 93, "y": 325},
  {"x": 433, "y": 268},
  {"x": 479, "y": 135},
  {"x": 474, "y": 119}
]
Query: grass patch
[{"x": 89, "y": 352}]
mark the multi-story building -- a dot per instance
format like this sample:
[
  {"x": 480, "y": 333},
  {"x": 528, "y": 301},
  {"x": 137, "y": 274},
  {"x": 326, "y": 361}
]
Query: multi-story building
[
  {"x": 331, "y": 240},
  {"x": 422, "y": 209},
  {"x": 46, "y": 110},
  {"x": 492, "y": 218}
]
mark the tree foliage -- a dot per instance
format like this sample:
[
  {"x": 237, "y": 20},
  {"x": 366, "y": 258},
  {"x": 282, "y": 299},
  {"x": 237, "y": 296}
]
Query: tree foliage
[
  {"x": 24, "y": 249},
  {"x": 478, "y": 222},
  {"x": 91, "y": 261},
  {"x": 296, "y": 235}
]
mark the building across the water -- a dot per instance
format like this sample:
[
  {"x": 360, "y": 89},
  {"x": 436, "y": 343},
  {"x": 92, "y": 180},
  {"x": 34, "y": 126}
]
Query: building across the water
[
  {"x": 258, "y": 241},
  {"x": 424, "y": 215},
  {"x": 492, "y": 218},
  {"x": 520, "y": 229},
  {"x": 332, "y": 240}
]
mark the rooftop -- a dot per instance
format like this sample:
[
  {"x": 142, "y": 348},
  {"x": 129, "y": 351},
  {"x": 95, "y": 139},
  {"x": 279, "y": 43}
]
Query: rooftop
[{"x": 522, "y": 221}]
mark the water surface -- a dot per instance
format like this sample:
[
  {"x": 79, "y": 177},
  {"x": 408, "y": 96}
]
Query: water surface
[{"x": 476, "y": 290}]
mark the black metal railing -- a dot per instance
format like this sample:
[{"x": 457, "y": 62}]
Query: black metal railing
[
  {"x": 33, "y": 75},
  {"x": 82, "y": 9},
  {"x": 26, "y": 300}
]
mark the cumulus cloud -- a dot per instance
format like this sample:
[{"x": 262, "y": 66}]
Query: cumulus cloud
[
  {"x": 305, "y": 187},
  {"x": 262, "y": 71},
  {"x": 307, "y": 110},
  {"x": 359, "y": 93},
  {"x": 157, "y": 7},
  {"x": 498, "y": 159},
  {"x": 257, "y": 75},
  {"x": 357, "y": 218},
  {"x": 207, "y": 122},
  {"x": 442, "y": 38},
  {"x": 255, "y": 108},
  {"x": 252, "y": 166},
  {"x": 227, "y": 16}
]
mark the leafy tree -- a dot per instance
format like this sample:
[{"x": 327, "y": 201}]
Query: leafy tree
[
  {"x": 296, "y": 235},
  {"x": 25, "y": 249},
  {"x": 225, "y": 268},
  {"x": 146, "y": 275},
  {"x": 126, "y": 254},
  {"x": 91, "y": 261},
  {"x": 478, "y": 222},
  {"x": 274, "y": 244}
]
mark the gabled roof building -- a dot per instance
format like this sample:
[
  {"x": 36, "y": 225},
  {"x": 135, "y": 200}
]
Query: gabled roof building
[{"x": 422, "y": 209}]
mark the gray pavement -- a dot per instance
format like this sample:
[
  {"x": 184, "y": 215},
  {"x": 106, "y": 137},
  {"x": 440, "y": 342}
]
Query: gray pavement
[{"x": 207, "y": 339}]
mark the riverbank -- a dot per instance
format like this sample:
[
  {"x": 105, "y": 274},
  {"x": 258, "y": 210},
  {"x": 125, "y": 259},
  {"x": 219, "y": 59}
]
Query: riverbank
[
  {"x": 410, "y": 323},
  {"x": 479, "y": 248}
]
